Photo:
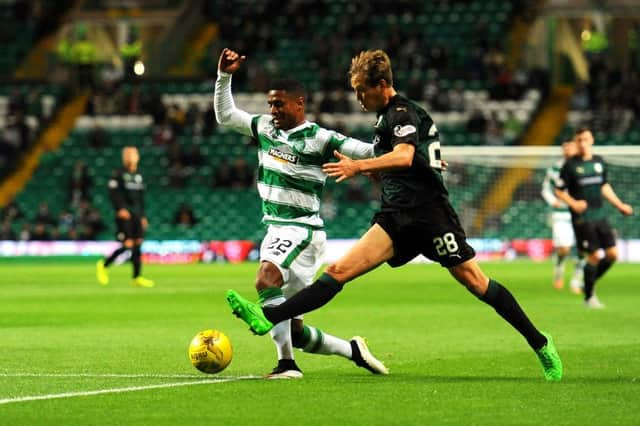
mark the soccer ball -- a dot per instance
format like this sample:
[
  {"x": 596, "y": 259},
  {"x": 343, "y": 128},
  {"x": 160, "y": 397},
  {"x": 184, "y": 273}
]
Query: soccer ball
[{"x": 210, "y": 351}]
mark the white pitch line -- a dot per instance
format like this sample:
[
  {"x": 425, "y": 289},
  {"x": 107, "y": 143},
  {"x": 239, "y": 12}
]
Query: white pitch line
[
  {"x": 119, "y": 390},
  {"x": 110, "y": 375}
]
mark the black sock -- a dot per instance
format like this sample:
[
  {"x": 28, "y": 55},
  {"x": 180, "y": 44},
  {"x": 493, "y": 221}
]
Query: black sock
[
  {"x": 590, "y": 277},
  {"x": 135, "y": 260},
  {"x": 114, "y": 255},
  {"x": 508, "y": 308},
  {"x": 603, "y": 266},
  {"x": 317, "y": 294}
]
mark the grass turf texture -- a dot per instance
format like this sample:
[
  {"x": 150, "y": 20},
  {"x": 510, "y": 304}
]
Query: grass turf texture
[{"x": 452, "y": 359}]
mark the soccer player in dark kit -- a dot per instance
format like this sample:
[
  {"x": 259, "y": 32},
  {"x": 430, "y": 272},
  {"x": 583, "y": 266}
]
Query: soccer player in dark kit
[
  {"x": 415, "y": 216},
  {"x": 583, "y": 186},
  {"x": 126, "y": 190}
]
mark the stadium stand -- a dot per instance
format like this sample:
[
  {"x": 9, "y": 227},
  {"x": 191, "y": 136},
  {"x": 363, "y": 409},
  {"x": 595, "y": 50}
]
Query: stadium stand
[{"x": 449, "y": 55}]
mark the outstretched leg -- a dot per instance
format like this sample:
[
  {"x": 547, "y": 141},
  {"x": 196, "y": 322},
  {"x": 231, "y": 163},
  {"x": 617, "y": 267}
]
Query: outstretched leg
[
  {"x": 494, "y": 294},
  {"x": 101, "y": 266}
]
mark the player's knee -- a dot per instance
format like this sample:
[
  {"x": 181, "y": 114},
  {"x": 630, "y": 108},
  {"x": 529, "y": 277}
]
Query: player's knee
[
  {"x": 268, "y": 276},
  {"x": 593, "y": 258},
  {"x": 611, "y": 256},
  {"x": 338, "y": 272},
  {"x": 471, "y": 276},
  {"x": 128, "y": 243},
  {"x": 477, "y": 286}
]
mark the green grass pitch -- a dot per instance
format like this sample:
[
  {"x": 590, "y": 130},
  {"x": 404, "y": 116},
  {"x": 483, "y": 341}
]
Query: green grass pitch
[{"x": 118, "y": 355}]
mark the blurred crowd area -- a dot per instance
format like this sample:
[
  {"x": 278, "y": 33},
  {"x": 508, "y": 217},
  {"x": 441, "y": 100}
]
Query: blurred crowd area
[
  {"x": 78, "y": 220},
  {"x": 428, "y": 41}
]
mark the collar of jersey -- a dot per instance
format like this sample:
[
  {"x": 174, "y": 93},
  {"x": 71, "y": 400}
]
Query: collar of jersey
[
  {"x": 392, "y": 100},
  {"x": 292, "y": 130}
]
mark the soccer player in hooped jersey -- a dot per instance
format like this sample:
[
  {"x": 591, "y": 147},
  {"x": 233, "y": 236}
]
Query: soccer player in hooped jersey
[
  {"x": 415, "y": 216},
  {"x": 561, "y": 228},
  {"x": 126, "y": 190},
  {"x": 583, "y": 185},
  {"x": 290, "y": 182}
]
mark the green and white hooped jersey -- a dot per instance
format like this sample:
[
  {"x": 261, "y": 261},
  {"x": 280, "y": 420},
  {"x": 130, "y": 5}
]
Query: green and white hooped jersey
[
  {"x": 549, "y": 183},
  {"x": 290, "y": 177}
]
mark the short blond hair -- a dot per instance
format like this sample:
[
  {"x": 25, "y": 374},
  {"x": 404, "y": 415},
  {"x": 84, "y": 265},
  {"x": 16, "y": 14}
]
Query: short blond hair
[{"x": 373, "y": 65}]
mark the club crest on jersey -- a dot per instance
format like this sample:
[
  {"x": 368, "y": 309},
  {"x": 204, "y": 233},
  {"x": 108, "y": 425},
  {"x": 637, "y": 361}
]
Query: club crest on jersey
[
  {"x": 597, "y": 167},
  {"x": 285, "y": 157},
  {"x": 401, "y": 131}
]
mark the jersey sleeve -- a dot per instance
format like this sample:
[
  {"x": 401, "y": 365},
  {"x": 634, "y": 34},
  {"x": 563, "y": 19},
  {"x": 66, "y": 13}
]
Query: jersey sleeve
[
  {"x": 225, "y": 108},
  {"x": 564, "y": 177},
  {"x": 403, "y": 122},
  {"x": 548, "y": 185},
  {"x": 116, "y": 191},
  {"x": 352, "y": 148},
  {"x": 142, "y": 196},
  {"x": 605, "y": 171}
]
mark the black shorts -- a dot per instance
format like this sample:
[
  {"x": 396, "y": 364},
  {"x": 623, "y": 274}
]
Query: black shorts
[
  {"x": 594, "y": 235},
  {"x": 433, "y": 231},
  {"x": 130, "y": 229}
]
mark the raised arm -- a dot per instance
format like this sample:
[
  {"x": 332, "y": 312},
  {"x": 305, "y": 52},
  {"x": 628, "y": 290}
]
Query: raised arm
[{"x": 226, "y": 112}]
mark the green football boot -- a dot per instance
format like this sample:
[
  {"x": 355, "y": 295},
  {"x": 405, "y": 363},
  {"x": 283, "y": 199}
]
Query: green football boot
[
  {"x": 249, "y": 312},
  {"x": 550, "y": 360}
]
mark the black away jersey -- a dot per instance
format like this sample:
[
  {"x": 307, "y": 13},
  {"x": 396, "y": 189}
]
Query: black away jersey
[
  {"x": 421, "y": 185},
  {"x": 126, "y": 191},
  {"x": 583, "y": 180}
]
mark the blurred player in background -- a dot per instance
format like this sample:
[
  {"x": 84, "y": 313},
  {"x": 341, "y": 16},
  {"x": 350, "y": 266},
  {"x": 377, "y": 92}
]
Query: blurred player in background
[
  {"x": 415, "y": 216},
  {"x": 583, "y": 185},
  {"x": 291, "y": 151},
  {"x": 561, "y": 228},
  {"x": 126, "y": 191}
]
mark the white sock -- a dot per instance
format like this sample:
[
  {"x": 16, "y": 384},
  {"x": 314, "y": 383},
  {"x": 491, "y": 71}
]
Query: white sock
[
  {"x": 326, "y": 344},
  {"x": 578, "y": 273},
  {"x": 281, "y": 332},
  {"x": 558, "y": 269}
]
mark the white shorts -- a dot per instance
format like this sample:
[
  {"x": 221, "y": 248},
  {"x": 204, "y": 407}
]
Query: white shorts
[
  {"x": 563, "y": 235},
  {"x": 298, "y": 253}
]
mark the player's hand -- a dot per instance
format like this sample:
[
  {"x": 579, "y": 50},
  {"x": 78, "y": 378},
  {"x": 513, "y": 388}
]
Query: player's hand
[
  {"x": 344, "y": 169},
  {"x": 625, "y": 209},
  {"x": 444, "y": 165},
  {"x": 144, "y": 222},
  {"x": 579, "y": 206},
  {"x": 123, "y": 214},
  {"x": 230, "y": 61}
]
